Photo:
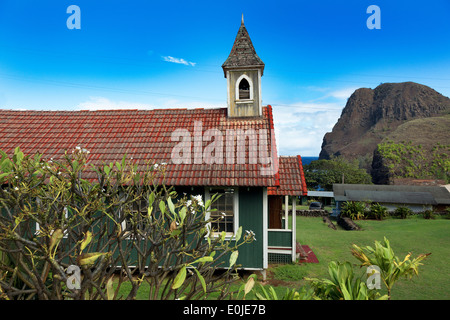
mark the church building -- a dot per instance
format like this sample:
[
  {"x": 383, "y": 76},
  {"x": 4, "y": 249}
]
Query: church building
[{"x": 231, "y": 151}]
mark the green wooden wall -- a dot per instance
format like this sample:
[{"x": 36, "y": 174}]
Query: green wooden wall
[{"x": 251, "y": 218}]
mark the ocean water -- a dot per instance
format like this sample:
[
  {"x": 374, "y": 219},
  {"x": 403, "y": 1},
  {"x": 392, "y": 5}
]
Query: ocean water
[{"x": 307, "y": 160}]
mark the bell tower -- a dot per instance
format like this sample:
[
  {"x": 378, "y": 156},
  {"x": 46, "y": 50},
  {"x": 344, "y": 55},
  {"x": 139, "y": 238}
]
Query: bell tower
[{"x": 243, "y": 70}]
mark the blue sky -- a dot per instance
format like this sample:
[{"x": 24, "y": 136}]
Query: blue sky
[{"x": 164, "y": 54}]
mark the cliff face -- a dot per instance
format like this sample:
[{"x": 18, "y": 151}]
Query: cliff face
[{"x": 371, "y": 115}]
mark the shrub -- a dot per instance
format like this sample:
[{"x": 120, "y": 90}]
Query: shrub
[
  {"x": 391, "y": 268},
  {"x": 122, "y": 221},
  {"x": 354, "y": 210},
  {"x": 402, "y": 212},
  {"x": 428, "y": 214},
  {"x": 344, "y": 283},
  {"x": 377, "y": 211}
]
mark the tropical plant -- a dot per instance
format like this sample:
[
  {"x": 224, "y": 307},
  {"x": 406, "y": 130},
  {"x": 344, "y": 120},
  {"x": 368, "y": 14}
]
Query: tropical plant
[
  {"x": 353, "y": 209},
  {"x": 270, "y": 294},
  {"x": 343, "y": 284},
  {"x": 290, "y": 294},
  {"x": 428, "y": 214},
  {"x": 65, "y": 237},
  {"x": 391, "y": 267},
  {"x": 402, "y": 212},
  {"x": 376, "y": 211}
]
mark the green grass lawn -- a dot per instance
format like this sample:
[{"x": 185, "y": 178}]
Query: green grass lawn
[{"x": 415, "y": 234}]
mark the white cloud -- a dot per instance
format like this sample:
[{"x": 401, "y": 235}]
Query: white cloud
[
  {"x": 343, "y": 93},
  {"x": 300, "y": 127},
  {"x": 178, "y": 60}
]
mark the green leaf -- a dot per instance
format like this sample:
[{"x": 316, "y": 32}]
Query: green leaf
[
  {"x": 203, "y": 259},
  {"x": 151, "y": 199},
  {"x": 249, "y": 285},
  {"x": 107, "y": 169},
  {"x": 5, "y": 165},
  {"x": 238, "y": 234},
  {"x": 89, "y": 258},
  {"x": 18, "y": 155},
  {"x": 182, "y": 214},
  {"x": 87, "y": 239},
  {"x": 171, "y": 206},
  {"x": 179, "y": 279},
  {"x": 233, "y": 258},
  {"x": 162, "y": 207},
  {"x": 202, "y": 280},
  {"x": 207, "y": 204},
  {"x": 123, "y": 160},
  {"x": 57, "y": 235},
  {"x": 274, "y": 294},
  {"x": 110, "y": 289},
  {"x": 4, "y": 175}
]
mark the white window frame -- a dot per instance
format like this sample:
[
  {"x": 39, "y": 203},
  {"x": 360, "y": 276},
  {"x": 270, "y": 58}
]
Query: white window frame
[
  {"x": 229, "y": 235},
  {"x": 250, "y": 83}
]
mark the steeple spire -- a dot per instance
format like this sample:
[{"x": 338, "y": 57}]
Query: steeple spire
[
  {"x": 243, "y": 70},
  {"x": 243, "y": 53}
]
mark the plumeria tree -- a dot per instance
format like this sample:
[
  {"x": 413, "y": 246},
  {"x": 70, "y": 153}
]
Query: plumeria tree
[{"x": 65, "y": 237}]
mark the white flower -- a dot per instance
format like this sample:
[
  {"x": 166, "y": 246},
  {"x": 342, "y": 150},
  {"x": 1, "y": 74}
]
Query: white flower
[
  {"x": 16, "y": 177},
  {"x": 199, "y": 199},
  {"x": 15, "y": 188},
  {"x": 250, "y": 234}
]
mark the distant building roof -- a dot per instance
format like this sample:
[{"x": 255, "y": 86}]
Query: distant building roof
[
  {"x": 390, "y": 196},
  {"x": 324, "y": 194},
  {"x": 401, "y": 194}
]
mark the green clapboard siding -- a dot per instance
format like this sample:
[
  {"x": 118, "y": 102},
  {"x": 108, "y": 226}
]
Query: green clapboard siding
[
  {"x": 251, "y": 218},
  {"x": 280, "y": 238}
]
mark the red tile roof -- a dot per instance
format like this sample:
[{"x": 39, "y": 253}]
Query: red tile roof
[
  {"x": 141, "y": 134},
  {"x": 292, "y": 178}
]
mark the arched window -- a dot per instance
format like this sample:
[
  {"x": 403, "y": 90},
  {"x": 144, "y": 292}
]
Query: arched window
[{"x": 244, "y": 89}]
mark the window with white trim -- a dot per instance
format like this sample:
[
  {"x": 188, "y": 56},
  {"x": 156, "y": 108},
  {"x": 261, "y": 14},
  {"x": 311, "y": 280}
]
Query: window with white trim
[
  {"x": 244, "y": 88},
  {"x": 225, "y": 215}
]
